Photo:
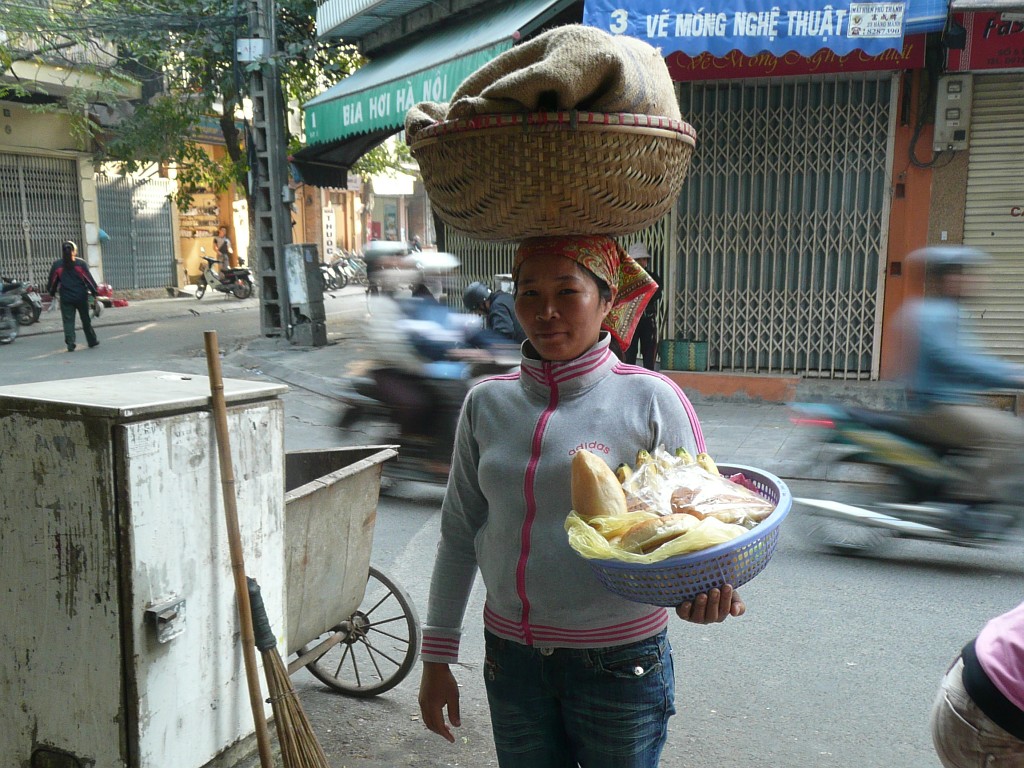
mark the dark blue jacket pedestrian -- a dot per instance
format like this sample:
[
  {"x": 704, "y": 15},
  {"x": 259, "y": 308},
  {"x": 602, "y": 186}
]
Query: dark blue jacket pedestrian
[{"x": 71, "y": 277}]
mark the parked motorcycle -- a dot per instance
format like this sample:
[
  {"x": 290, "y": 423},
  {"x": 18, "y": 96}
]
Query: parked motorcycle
[
  {"x": 355, "y": 268},
  {"x": 236, "y": 281},
  {"x": 915, "y": 493},
  {"x": 340, "y": 272},
  {"x": 11, "y": 307},
  {"x": 32, "y": 303},
  {"x": 331, "y": 279}
]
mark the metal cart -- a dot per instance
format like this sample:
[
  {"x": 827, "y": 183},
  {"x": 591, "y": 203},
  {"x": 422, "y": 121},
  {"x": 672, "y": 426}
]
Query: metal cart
[{"x": 349, "y": 624}]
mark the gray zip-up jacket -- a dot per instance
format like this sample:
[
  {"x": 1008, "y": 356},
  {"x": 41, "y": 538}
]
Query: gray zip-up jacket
[{"x": 508, "y": 495}]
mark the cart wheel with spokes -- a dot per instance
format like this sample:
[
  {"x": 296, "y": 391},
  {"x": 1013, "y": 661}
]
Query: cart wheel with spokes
[{"x": 374, "y": 649}]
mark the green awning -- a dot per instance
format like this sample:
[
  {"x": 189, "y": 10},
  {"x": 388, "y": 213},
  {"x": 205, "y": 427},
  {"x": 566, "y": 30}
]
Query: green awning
[{"x": 377, "y": 96}]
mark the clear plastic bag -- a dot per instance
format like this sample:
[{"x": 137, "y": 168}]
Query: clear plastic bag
[{"x": 665, "y": 484}]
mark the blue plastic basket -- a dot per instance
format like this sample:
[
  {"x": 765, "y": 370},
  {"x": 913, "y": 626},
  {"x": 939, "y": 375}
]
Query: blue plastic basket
[{"x": 679, "y": 579}]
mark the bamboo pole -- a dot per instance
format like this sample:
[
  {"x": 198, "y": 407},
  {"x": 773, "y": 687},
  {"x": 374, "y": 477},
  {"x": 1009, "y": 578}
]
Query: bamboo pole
[{"x": 227, "y": 480}]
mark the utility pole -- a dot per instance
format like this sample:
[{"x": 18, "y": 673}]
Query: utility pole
[{"x": 268, "y": 178}]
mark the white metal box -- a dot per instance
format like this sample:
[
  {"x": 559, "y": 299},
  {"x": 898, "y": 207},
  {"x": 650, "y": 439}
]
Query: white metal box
[{"x": 118, "y": 617}]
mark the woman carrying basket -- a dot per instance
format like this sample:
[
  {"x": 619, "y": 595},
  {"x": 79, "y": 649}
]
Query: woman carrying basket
[{"x": 575, "y": 675}]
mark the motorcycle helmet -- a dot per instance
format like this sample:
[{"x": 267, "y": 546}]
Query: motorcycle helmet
[
  {"x": 476, "y": 293},
  {"x": 941, "y": 259}
]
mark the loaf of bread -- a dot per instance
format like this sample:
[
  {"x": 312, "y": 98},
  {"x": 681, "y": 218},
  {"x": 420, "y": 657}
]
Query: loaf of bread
[
  {"x": 595, "y": 489},
  {"x": 647, "y": 536}
]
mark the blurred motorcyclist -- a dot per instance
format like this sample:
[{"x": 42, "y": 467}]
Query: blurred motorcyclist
[
  {"x": 947, "y": 370},
  {"x": 498, "y": 307},
  {"x": 424, "y": 352}
]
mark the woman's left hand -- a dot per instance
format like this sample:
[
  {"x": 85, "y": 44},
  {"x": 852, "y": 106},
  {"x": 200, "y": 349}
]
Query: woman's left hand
[{"x": 712, "y": 607}]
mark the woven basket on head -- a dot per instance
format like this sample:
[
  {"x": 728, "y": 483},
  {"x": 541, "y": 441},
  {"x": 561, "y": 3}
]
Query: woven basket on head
[{"x": 512, "y": 176}]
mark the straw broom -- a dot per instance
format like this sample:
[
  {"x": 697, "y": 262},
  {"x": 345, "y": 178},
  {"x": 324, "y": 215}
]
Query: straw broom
[{"x": 299, "y": 746}]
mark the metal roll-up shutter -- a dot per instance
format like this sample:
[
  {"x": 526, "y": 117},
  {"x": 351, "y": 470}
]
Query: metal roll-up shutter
[
  {"x": 136, "y": 214},
  {"x": 994, "y": 216},
  {"x": 783, "y": 223},
  {"x": 40, "y": 207}
]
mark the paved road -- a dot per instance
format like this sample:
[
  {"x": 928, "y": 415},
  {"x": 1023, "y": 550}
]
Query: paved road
[{"x": 835, "y": 663}]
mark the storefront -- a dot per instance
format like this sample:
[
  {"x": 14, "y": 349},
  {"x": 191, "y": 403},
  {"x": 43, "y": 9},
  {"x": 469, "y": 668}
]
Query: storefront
[
  {"x": 777, "y": 253},
  {"x": 993, "y": 211}
]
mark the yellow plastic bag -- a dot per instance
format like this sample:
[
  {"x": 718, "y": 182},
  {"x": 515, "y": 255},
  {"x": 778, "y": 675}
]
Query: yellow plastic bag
[{"x": 588, "y": 541}]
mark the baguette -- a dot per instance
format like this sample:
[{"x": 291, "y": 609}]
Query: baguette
[
  {"x": 594, "y": 488},
  {"x": 647, "y": 536}
]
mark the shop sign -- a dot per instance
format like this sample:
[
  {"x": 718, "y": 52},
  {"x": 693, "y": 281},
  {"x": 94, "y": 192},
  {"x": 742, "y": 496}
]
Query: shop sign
[
  {"x": 994, "y": 41},
  {"x": 685, "y": 68},
  {"x": 341, "y": 112},
  {"x": 752, "y": 27}
]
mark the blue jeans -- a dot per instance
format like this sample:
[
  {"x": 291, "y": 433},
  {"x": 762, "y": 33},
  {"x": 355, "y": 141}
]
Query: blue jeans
[{"x": 594, "y": 708}]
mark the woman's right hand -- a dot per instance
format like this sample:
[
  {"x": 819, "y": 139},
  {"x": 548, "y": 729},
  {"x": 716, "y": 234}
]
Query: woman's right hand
[{"x": 439, "y": 691}]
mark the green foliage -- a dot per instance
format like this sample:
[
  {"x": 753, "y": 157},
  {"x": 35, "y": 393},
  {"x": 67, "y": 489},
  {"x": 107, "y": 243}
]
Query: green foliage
[
  {"x": 388, "y": 156},
  {"x": 187, "y": 46}
]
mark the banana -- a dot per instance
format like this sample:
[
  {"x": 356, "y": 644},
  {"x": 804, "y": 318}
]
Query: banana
[
  {"x": 643, "y": 458},
  {"x": 684, "y": 456},
  {"x": 623, "y": 472},
  {"x": 707, "y": 464}
]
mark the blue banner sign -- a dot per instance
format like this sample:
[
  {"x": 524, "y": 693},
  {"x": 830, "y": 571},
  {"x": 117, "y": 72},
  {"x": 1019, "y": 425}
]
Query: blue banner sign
[{"x": 753, "y": 26}]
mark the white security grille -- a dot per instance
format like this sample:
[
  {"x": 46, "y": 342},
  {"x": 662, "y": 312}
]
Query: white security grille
[
  {"x": 40, "y": 207},
  {"x": 136, "y": 214},
  {"x": 994, "y": 218},
  {"x": 782, "y": 224},
  {"x": 480, "y": 260}
]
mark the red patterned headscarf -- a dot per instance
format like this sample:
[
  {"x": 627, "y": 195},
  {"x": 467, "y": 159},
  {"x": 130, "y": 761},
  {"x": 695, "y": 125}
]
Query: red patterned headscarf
[{"x": 632, "y": 288}]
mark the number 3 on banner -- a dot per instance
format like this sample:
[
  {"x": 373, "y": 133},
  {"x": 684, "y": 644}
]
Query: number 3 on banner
[{"x": 620, "y": 21}]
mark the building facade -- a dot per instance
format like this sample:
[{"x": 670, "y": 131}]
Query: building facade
[{"x": 821, "y": 163}]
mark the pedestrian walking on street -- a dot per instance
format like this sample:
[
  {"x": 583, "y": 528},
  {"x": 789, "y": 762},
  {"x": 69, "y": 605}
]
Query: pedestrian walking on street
[{"x": 70, "y": 276}]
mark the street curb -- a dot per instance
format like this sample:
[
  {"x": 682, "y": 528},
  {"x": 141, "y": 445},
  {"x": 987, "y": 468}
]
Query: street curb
[{"x": 318, "y": 385}]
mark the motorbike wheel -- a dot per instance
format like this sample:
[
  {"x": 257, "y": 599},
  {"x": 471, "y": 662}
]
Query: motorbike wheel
[
  {"x": 201, "y": 289},
  {"x": 97, "y": 307},
  {"x": 27, "y": 315},
  {"x": 844, "y": 538},
  {"x": 242, "y": 289},
  {"x": 340, "y": 280}
]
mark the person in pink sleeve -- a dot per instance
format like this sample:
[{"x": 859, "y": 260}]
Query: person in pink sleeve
[{"x": 978, "y": 717}]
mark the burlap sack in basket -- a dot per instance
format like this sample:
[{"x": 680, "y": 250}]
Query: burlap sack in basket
[{"x": 574, "y": 132}]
